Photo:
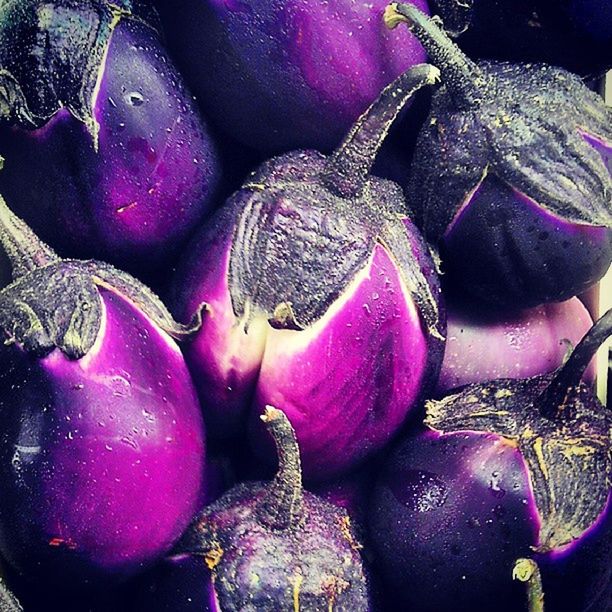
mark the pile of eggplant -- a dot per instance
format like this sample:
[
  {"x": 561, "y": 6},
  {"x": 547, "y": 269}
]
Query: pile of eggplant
[{"x": 294, "y": 306}]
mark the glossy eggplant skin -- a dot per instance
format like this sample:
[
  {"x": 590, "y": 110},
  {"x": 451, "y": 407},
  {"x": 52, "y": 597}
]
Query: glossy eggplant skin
[
  {"x": 284, "y": 75},
  {"x": 102, "y": 458},
  {"x": 369, "y": 354},
  {"x": 451, "y": 514},
  {"x": 130, "y": 188},
  {"x": 484, "y": 343},
  {"x": 506, "y": 249}
]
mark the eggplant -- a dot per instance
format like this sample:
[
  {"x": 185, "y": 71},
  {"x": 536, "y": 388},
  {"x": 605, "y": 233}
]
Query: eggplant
[
  {"x": 281, "y": 75},
  {"x": 320, "y": 293},
  {"x": 273, "y": 546},
  {"x": 106, "y": 154},
  {"x": 509, "y": 469},
  {"x": 102, "y": 455},
  {"x": 510, "y": 177},
  {"x": 574, "y": 35},
  {"x": 483, "y": 343}
]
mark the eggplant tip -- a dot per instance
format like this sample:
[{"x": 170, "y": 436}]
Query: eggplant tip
[
  {"x": 392, "y": 17},
  {"x": 271, "y": 414}
]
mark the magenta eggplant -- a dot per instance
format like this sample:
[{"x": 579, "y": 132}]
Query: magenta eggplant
[
  {"x": 511, "y": 469},
  {"x": 103, "y": 456},
  {"x": 106, "y": 155},
  {"x": 322, "y": 297},
  {"x": 281, "y": 74},
  {"x": 273, "y": 546},
  {"x": 483, "y": 343},
  {"x": 509, "y": 175}
]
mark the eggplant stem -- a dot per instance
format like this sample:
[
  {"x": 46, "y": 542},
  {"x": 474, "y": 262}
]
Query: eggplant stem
[
  {"x": 25, "y": 250},
  {"x": 464, "y": 79},
  {"x": 282, "y": 505},
  {"x": 553, "y": 399},
  {"x": 348, "y": 167},
  {"x": 527, "y": 570}
]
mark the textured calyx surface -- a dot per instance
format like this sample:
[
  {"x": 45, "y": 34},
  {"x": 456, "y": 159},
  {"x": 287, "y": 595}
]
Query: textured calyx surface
[
  {"x": 568, "y": 457},
  {"x": 297, "y": 245},
  {"x": 52, "y": 56},
  {"x": 523, "y": 123},
  {"x": 59, "y": 306}
]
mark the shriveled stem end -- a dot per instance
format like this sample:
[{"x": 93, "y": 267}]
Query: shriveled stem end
[
  {"x": 282, "y": 505},
  {"x": 527, "y": 570}
]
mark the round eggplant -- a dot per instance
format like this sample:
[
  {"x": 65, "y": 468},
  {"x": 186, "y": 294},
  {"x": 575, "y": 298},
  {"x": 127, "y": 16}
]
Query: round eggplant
[
  {"x": 509, "y": 470},
  {"x": 106, "y": 155},
  {"x": 282, "y": 74},
  {"x": 103, "y": 441},
  {"x": 510, "y": 175},
  {"x": 321, "y": 296},
  {"x": 273, "y": 546}
]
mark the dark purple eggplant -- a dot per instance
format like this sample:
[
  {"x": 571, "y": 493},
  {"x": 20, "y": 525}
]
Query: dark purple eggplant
[
  {"x": 106, "y": 155},
  {"x": 574, "y": 35},
  {"x": 321, "y": 296},
  {"x": 509, "y": 469},
  {"x": 483, "y": 343},
  {"x": 273, "y": 546},
  {"x": 509, "y": 175},
  {"x": 102, "y": 455},
  {"x": 285, "y": 74}
]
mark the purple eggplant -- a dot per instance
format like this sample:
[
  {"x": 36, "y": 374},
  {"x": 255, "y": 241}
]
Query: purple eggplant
[
  {"x": 285, "y": 74},
  {"x": 273, "y": 546},
  {"x": 321, "y": 297},
  {"x": 510, "y": 177},
  {"x": 106, "y": 155},
  {"x": 484, "y": 344},
  {"x": 102, "y": 457},
  {"x": 510, "y": 469}
]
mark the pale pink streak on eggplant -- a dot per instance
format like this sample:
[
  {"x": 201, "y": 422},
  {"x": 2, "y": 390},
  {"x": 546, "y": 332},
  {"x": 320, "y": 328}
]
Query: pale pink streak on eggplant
[
  {"x": 130, "y": 493},
  {"x": 223, "y": 358},
  {"x": 482, "y": 346},
  {"x": 348, "y": 381}
]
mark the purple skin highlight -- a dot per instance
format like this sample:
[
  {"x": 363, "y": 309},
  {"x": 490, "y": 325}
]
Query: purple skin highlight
[
  {"x": 484, "y": 344},
  {"x": 322, "y": 297},
  {"x": 105, "y": 453},
  {"x": 103, "y": 465},
  {"x": 284, "y": 75},
  {"x": 323, "y": 368},
  {"x": 136, "y": 197},
  {"x": 224, "y": 360}
]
